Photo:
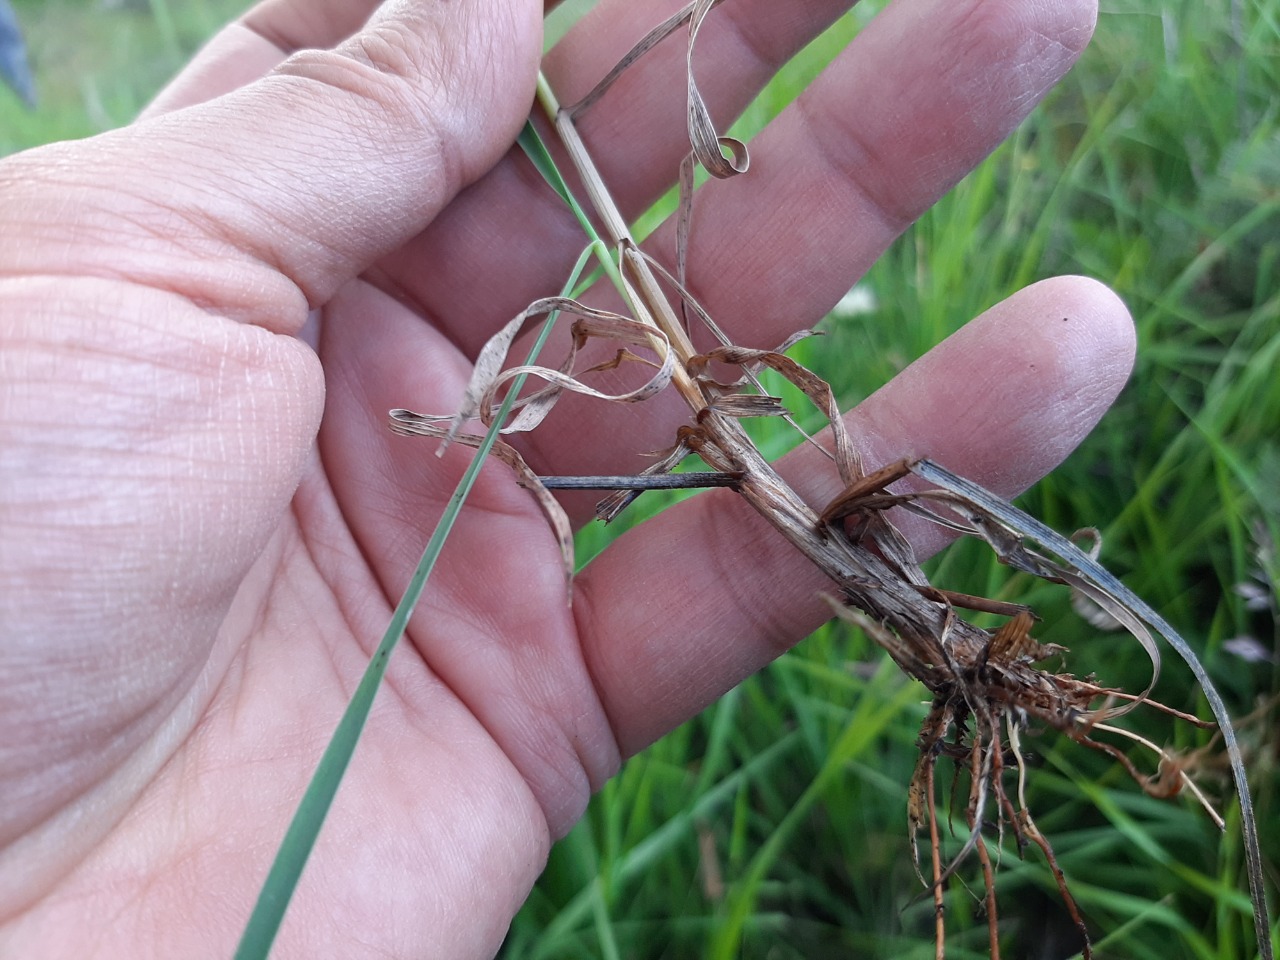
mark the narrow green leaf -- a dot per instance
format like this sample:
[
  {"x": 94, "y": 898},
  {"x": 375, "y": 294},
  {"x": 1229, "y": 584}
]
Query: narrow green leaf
[
  {"x": 531, "y": 143},
  {"x": 535, "y": 149},
  {"x": 282, "y": 880}
]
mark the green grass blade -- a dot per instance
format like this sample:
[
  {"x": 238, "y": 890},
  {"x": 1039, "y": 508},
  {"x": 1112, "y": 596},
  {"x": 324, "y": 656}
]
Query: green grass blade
[
  {"x": 532, "y": 144},
  {"x": 535, "y": 149},
  {"x": 538, "y": 154},
  {"x": 282, "y": 880}
]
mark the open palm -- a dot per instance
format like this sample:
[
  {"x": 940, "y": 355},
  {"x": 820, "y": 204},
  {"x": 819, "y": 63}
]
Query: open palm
[{"x": 204, "y": 523}]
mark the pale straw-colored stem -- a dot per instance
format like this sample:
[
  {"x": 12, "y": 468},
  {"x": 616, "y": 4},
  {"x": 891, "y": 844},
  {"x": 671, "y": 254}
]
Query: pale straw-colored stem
[{"x": 728, "y": 446}]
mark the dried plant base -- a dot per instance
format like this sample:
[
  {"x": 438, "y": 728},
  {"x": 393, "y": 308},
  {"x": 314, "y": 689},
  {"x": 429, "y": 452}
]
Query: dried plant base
[{"x": 981, "y": 690}]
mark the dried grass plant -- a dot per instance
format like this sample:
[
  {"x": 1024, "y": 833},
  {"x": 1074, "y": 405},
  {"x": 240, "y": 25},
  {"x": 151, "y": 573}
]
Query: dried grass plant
[{"x": 987, "y": 685}]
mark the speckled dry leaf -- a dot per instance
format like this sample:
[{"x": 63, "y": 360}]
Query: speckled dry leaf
[
  {"x": 646, "y": 43},
  {"x": 749, "y": 371},
  {"x": 600, "y": 325},
  {"x": 749, "y": 405},
  {"x": 708, "y": 146},
  {"x": 813, "y": 386}
]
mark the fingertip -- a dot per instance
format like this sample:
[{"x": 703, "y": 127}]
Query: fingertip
[
  {"x": 1106, "y": 333},
  {"x": 1069, "y": 338}
]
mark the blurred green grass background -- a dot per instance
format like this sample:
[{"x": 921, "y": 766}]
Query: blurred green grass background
[{"x": 773, "y": 825}]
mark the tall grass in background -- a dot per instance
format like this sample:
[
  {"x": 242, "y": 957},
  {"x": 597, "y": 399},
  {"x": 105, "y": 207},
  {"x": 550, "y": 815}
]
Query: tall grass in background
[{"x": 774, "y": 824}]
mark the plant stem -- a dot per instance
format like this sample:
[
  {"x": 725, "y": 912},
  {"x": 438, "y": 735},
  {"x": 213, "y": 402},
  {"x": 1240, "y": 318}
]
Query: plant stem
[{"x": 723, "y": 443}]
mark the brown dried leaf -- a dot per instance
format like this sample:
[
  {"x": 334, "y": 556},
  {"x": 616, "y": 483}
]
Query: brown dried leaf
[
  {"x": 712, "y": 388},
  {"x": 813, "y": 386},
  {"x": 488, "y": 377},
  {"x": 646, "y": 43},
  {"x": 410, "y": 424},
  {"x": 684, "y": 227},
  {"x": 708, "y": 146},
  {"x": 749, "y": 405}
]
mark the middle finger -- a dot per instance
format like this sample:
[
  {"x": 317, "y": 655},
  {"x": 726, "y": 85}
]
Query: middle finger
[{"x": 512, "y": 224}]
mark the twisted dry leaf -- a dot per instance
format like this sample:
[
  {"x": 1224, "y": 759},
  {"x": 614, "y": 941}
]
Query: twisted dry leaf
[
  {"x": 488, "y": 377},
  {"x": 709, "y": 147},
  {"x": 410, "y": 424}
]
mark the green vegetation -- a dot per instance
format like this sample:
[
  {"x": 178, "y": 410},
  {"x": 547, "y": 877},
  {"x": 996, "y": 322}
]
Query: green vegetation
[
  {"x": 774, "y": 825},
  {"x": 98, "y": 62}
]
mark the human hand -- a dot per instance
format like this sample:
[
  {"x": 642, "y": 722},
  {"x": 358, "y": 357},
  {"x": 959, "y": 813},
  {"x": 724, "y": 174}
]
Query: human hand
[{"x": 206, "y": 523}]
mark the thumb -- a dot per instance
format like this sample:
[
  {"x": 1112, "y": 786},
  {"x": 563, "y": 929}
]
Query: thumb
[
  {"x": 294, "y": 183},
  {"x": 152, "y": 429}
]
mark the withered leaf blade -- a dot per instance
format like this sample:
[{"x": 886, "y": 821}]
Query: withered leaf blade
[
  {"x": 645, "y": 44},
  {"x": 410, "y": 424},
  {"x": 810, "y": 384},
  {"x": 689, "y": 302},
  {"x": 684, "y": 227},
  {"x": 852, "y": 499},
  {"x": 488, "y": 377},
  {"x": 749, "y": 405},
  {"x": 708, "y": 146},
  {"x": 489, "y": 363}
]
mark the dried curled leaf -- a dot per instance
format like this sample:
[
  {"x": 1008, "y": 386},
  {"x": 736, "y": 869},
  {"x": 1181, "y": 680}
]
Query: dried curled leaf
[
  {"x": 708, "y": 146},
  {"x": 410, "y": 424},
  {"x": 749, "y": 405},
  {"x": 643, "y": 46},
  {"x": 813, "y": 386},
  {"x": 749, "y": 371},
  {"x": 488, "y": 377},
  {"x": 684, "y": 229}
]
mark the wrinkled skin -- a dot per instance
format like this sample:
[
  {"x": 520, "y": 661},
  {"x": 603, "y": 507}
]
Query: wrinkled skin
[{"x": 204, "y": 523}]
